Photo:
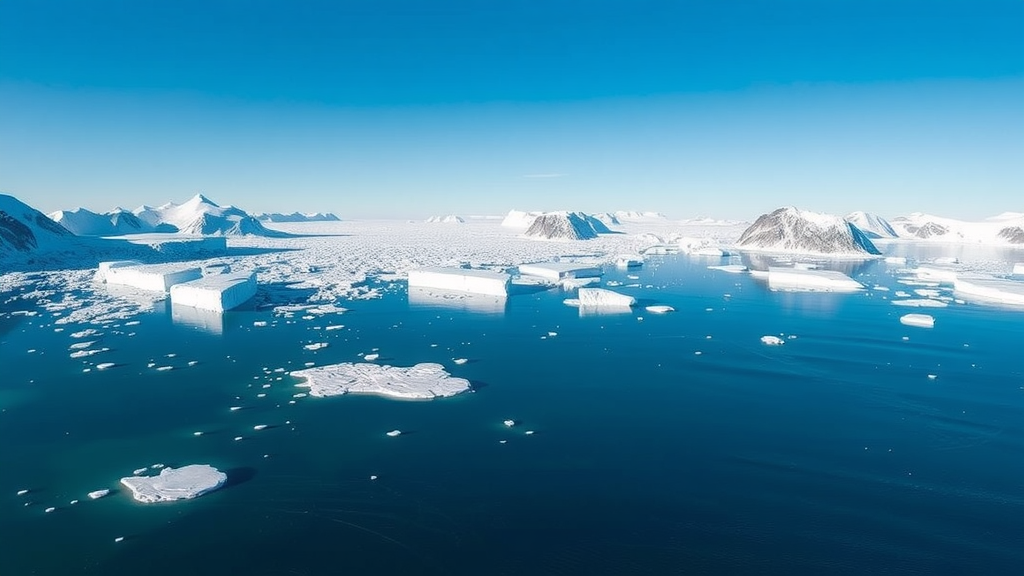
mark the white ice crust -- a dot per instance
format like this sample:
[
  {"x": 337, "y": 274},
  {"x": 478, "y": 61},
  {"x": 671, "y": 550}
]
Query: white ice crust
[
  {"x": 780, "y": 278},
  {"x": 175, "y": 483},
  {"x": 461, "y": 280},
  {"x": 215, "y": 293},
  {"x": 421, "y": 381},
  {"x": 599, "y": 297}
]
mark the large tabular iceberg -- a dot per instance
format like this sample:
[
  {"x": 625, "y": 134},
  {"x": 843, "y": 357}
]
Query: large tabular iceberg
[
  {"x": 216, "y": 293},
  {"x": 461, "y": 280},
  {"x": 422, "y": 381},
  {"x": 155, "y": 277},
  {"x": 799, "y": 279},
  {"x": 175, "y": 483},
  {"x": 556, "y": 271}
]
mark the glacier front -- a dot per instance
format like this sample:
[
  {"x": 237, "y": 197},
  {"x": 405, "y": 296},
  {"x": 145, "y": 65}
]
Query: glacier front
[{"x": 421, "y": 381}]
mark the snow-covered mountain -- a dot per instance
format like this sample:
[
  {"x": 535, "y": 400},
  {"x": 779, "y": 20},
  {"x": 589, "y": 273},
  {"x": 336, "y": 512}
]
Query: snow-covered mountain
[
  {"x": 634, "y": 216},
  {"x": 1006, "y": 228},
  {"x": 561, "y": 226},
  {"x": 448, "y": 219},
  {"x": 200, "y": 215},
  {"x": 526, "y": 220},
  {"x": 297, "y": 217},
  {"x": 25, "y": 229},
  {"x": 83, "y": 222},
  {"x": 800, "y": 231},
  {"x": 871, "y": 225}
]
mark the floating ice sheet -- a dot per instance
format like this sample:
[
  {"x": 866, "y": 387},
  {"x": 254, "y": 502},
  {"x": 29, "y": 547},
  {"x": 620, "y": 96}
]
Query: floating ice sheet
[
  {"x": 421, "y": 381},
  {"x": 920, "y": 320},
  {"x": 175, "y": 483},
  {"x": 795, "y": 279},
  {"x": 600, "y": 297},
  {"x": 461, "y": 280}
]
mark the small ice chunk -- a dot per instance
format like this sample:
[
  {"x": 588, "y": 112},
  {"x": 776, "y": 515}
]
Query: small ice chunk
[
  {"x": 574, "y": 302},
  {"x": 921, "y": 320},
  {"x": 260, "y": 427},
  {"x": 334, "y": 327},
  {"x": 139, "y": 471},
  {"x": 659, "y": 309},
  {"x": 529, "y": 432},
  {"x": 73, "y": 502},
  {"x": 460, "y": 361},
  {"x": 602, "y": 297},
  {"x": 772, "y": 340},
  {"x": 119, "y": 539},
  {"x": 105, "y": 365},
  {"x": 235, "y": 408},
  {"x": 510, "y": 423},
  {"x": 920, "y": 303},
  {"x": 164, "y": 368},
  {"x": 373, "y": 477},
  {"x": 81, "y": 345},
  {"x": 197, "y": 433},
  {"x": 371, "y": 357},
  {"x": 316, "y": 346},
  {"x": 394, "y": 433},
  {"x": 259, "y": 323},
  {"x": 932, "y": 376},
  {"x": 175, "y": 483},
  {"x": 239, "y": 438},
  {"x": 193, "y": 362},
  {"x": 50, "y": 509},
  {"x": 22, "y": 492}
]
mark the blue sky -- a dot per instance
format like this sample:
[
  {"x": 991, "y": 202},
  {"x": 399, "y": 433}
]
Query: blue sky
[{"x": 407, "y": 109}]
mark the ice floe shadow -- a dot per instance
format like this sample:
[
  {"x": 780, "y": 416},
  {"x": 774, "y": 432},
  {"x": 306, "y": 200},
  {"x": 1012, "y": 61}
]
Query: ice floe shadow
[
  {"x": 477, "y": 385},
  {"x": 238, "y": 476}
]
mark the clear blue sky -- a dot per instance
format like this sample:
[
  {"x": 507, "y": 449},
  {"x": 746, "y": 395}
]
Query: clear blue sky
[{"x": 413, "y": 108}]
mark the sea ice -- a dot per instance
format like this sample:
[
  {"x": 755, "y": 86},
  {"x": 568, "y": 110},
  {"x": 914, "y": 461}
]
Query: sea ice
[
  {"x": 921, "y": 320},
  {"x": 105, "y": 365},
  {"x": 730, "y": 268},
  {"x": 591, "y": 297},
  {"x": 461, "y": 280},
  {"x": 426, "y": 380},
  {"x": 215, "y": 293},
  {"x": 780, "y": 278},
  {"x": 460, "y": 360},
  {"x": 175, "y": 483},
  {"x": 659, "y": 309},
  {"x": 316, "y": 346},
  {"x": 393, "y": 433},
  {"x": 920, "y": 303},
  {"x": 989, "y": 289},
  {"x": 1018, "y": 269},
  {"x": 556, "y": 271},
  {"x": 510, "y": 423},
  {"x": 772, "y": 340}
]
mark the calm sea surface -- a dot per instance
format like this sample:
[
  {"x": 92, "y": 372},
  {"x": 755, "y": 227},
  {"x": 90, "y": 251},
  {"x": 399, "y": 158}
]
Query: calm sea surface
[{"x": 663, "y": 444}]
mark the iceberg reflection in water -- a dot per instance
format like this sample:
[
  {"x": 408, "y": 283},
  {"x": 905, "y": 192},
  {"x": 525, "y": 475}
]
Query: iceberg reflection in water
[
  {"x": 205, "y": 320},
  {"x": 461, "y": 301}
]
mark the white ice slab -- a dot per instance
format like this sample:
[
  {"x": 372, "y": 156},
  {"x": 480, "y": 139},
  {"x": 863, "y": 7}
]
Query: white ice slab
[
  {"x": 175, "y": 483},
  {"x": 940, "y": 274},
  {"x": 598, "y": 297},
  {"x": 920, "y": 320},
  {"x": 155, "y": 277},
  {"x": 556, "y": 271},
  {"x": 215, "y": 293},
  {"x": 461, "y": 280},
  {"x": 920, "y": 303},
  {"x": 422, "y": 381},
  {"x": 780, "y": 278},
  {"x": 989, "y": 289},
  {"x": 730, "y": 268}
]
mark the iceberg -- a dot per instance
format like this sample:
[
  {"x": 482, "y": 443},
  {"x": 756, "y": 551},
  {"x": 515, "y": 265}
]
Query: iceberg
[
  {"x": 393, "y": 433},
  {"x": 797, "y": 279},
  {"x": 772, "y": 340},
  {"x": 421, "y": 381},
  {"x": 461, "y": 280},
  {"x": 591, "y": 297},
  {"x": 920, "y": 320},
  {"x": 97, "y": 494},
  {"x": 215, "y": 293},
  {"x": 175, "y": 483},
  {"x": 155, "y": 277},
  {"x": 557, "y": 271},
  {"x": 660, "y": 309},
  {"x": 990, "y": 289}
]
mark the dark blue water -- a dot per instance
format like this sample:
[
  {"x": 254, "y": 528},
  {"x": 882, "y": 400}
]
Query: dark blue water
[{"x": 832, "y": 454}]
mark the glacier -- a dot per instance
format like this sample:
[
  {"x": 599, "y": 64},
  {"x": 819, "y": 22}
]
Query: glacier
[
  {"x": 421, "y": 381},
  {"x": 175, "y": 483}
]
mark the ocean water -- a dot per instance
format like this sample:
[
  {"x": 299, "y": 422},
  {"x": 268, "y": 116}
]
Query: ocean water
[{"x": 664, "y": 444}]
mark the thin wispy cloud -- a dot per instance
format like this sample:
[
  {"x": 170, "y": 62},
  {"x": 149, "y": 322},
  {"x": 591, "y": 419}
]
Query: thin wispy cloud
[{"x": 551, "y": 175}]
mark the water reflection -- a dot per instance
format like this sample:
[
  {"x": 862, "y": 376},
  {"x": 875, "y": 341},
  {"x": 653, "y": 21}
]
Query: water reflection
[
  {"x": 460, "y": 301},
  {"x": 212, "y": 322}
]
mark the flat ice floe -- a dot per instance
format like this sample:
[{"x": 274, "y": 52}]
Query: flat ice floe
[
  {"x": 421, "y": 381},
  {"x": 175, "y": 483},
  {"x": 798, "y": 279},
  {"x": 556, "y": 271},
  {"x": 989, "y": 289},
  {"x": 920, "y": 320},
  {"x": 920, "y": 303},
  {"x": 154, "y": 277},
  {"x": 772, "y": 340},
  {"x": 461, "y": 280},
  {"x": 215, "y": 293}
]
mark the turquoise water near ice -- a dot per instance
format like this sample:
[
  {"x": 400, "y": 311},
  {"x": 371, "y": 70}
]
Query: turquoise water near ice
[{"x": 832, "y": 454}]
